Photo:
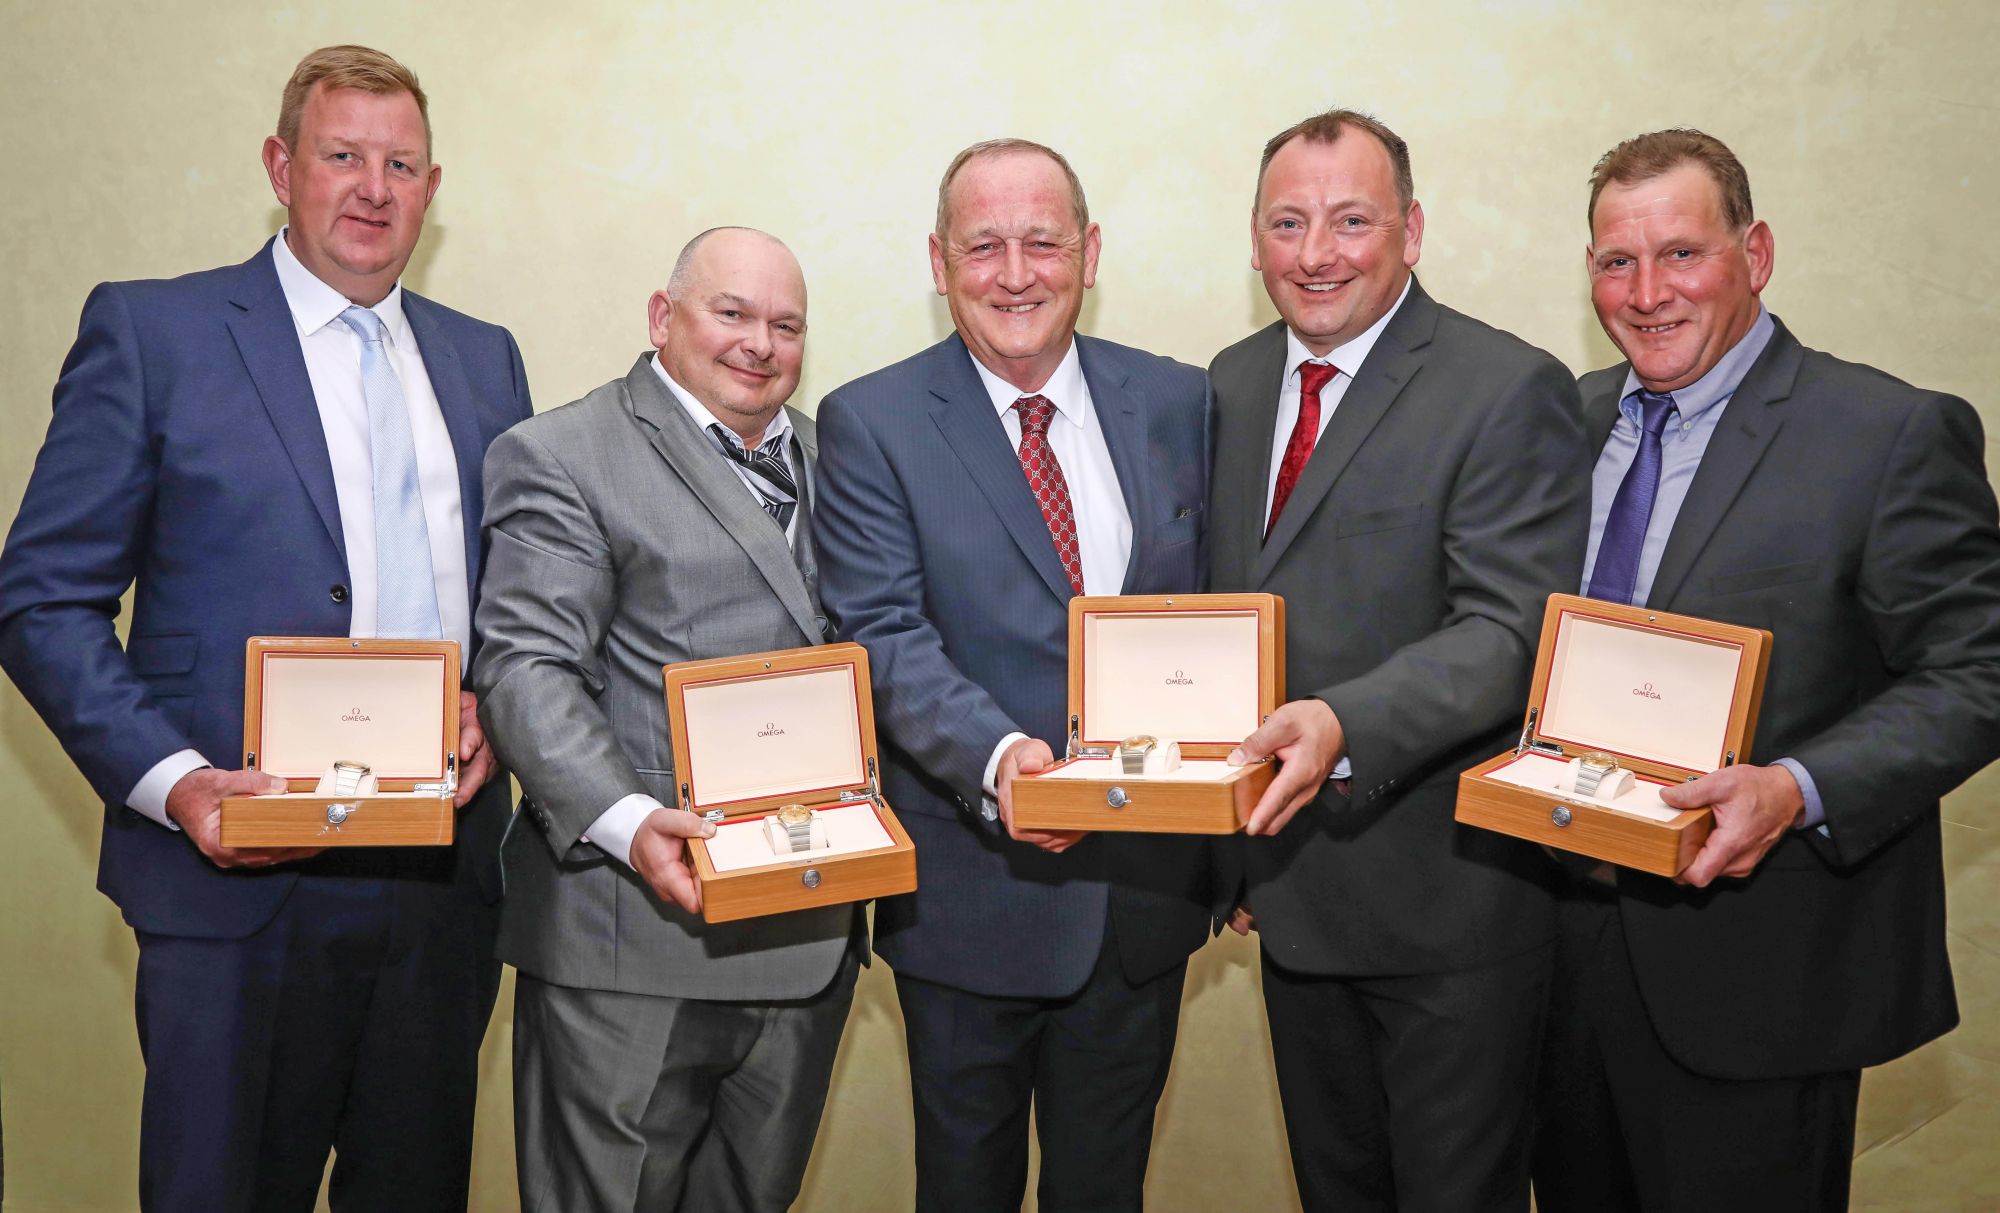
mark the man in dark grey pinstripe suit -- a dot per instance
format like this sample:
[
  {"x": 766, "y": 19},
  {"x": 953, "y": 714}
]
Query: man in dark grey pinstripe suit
[{"x": 968, "y": 493}]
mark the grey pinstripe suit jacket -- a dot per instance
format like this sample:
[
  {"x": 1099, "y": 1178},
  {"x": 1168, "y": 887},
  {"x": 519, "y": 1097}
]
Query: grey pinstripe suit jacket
[{"x": 621, "y": 541}]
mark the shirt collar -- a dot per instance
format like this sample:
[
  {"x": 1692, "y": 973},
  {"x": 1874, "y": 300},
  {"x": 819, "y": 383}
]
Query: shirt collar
[
  {"x": 698, "y": 412},
  {"x": 314, "y": 304},
  {"x": 1721, "y": 381},
  {"x": 1348, "y": 356},
  {"x": 1065, "y": 388}
]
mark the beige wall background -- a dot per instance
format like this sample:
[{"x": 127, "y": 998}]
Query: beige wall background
[{"x": 583, "y": 142}]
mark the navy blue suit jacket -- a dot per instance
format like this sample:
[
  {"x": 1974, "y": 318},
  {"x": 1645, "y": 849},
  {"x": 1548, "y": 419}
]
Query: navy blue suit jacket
[
  {"x": 185, "y": 458},
  {"x": 936, "y": 558}
]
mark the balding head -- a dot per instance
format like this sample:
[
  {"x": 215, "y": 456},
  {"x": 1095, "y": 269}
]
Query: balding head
[{"x": 730, "y": 326}]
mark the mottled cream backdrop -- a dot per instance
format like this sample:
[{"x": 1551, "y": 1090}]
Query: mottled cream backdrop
[{"x": 583, "y": 142}]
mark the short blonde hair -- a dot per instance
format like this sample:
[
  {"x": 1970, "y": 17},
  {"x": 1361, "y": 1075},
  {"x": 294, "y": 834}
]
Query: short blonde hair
[
  {"x": 360, "y": 67},
  {"x": 1079, "y": 208}
]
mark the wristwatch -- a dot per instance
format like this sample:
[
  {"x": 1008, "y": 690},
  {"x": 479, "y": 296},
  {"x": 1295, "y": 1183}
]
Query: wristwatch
[
  {"x": 347, "y": 776},
  {"x": 1591, "y": 770},
  {"x": 798, "y": 821},
  {"x": 1132, "y": 753}
]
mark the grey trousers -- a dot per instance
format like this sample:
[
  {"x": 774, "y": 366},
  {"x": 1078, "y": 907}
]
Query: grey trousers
[{"x": 629, "y": 1102}]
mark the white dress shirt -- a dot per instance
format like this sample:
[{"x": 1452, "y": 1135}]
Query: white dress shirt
[
  {"x": 333, "y": 366},
  {"x": 1346, "y": 358},
  {"x": 615, "y": 828},
  {"x": 1103, "y": 525}
]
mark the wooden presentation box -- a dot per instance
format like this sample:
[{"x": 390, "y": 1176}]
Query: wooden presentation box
[
  {"x": 797, "y": 726},
  {"x": 309, "y": 702},
  {"x": 1668, "y": 697},
  {"x": 1201, "y": 670}
]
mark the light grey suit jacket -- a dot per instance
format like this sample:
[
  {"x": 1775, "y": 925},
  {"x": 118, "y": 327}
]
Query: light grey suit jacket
[{"x": 621, "y": 541}]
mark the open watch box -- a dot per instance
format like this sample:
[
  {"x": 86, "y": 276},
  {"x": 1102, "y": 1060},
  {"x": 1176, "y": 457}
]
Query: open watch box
[
  {"x": 778, "y": 750},
  {"x": 1625, "y": 702},
  {"x": 363, "y": 732},
  {"x": 1161, "y": 689}
]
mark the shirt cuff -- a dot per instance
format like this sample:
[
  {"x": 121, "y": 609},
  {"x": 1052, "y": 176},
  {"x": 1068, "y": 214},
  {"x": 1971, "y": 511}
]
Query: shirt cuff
[
  {"x": 1815, "y": 807},
  {"x": 149, "y": 795},
  {"x": 1342, "y": 770},
  {"x": 989, "y": 806},
  {"x": 614, "y": 829}
]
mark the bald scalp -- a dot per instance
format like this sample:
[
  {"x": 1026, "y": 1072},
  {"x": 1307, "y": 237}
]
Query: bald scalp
[{"x": 685, "y": 264}]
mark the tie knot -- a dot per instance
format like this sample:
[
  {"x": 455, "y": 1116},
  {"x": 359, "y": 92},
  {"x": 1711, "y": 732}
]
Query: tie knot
[
  {"x": 733, "y": 447},
  {"x": 365, "y": 323},
  {"x": 1654, "y": 409},
  {"x": 1315, "y": 375},
  {"x": 1036, "y": 413}
]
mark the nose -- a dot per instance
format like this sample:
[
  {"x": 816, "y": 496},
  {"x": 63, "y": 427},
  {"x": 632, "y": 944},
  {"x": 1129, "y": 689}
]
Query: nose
[
  {"x": 1319, "y": 249},
  {"x": 1015, "y": 276},
  {"x": 374, "y": 185},
  {"x": 1649, "y": 286},
  {"x": 757, "y": 342}
]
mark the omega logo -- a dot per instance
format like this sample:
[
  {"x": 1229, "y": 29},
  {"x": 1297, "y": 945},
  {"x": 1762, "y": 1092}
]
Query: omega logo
[
  {"x": 354, "y": 716},
  {"x": 770, "y": 730},
  {"x": 1646, "y": 692},
  {"x": 1180, "y": 679}
]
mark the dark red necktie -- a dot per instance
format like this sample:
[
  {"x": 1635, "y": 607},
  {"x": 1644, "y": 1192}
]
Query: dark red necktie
[
  {"x": 1312, "y": 377},
  {"x": 1045, "y": 480}
]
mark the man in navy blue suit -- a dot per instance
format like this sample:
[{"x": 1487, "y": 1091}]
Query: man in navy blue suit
[
  {"x": 967, "y": 494},
  {"x": 287, "y": 446}
]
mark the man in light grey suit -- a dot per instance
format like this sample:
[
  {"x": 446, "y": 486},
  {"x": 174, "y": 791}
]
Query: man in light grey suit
[{"x": 659, "y": 1062}]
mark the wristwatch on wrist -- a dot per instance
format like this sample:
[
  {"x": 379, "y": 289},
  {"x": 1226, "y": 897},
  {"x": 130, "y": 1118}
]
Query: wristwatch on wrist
[
  {"x": 347, "y": 777},
  {"x": 797, "y": 820},
  {"x": 1132, "y": 753},
  {"x": 1591, "y": 770}
]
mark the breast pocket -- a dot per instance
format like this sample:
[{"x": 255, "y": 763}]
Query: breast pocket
[
  {"x": 1747, "y": 580},
  {"x": 1183, "y": 527},
  {"x": 1370, "y": 521}
]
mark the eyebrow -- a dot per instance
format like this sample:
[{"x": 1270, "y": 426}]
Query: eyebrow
[{"x": 725, "y": 298}]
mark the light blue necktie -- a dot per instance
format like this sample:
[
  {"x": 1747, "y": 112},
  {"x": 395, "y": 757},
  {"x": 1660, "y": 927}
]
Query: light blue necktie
[
  {"x": 406, "y": 602},
  {"x": 1624, "y": 539}
]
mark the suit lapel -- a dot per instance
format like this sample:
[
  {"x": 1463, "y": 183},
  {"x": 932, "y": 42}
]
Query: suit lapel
[
  {"x": 1255, "y": 396},
  {"x": 964, "y": 413},
  {"x": 1124, "y": 428},
  {"x": 693, "y": 457},
  {"x": 461, "y": 419},
  {"x": 1749, "y": 421},
  {"x": 1398, "y": 355},
  {"x": 268, "y": 342}
]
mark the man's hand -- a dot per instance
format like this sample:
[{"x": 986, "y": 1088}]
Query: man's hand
[
  {"x": 1307, "y": 740},
  {"x": 475, "y": 757},
  {"x": 659, "y": 855},
  {"x": 195, "y": 805},
  {"x": 1754, "y": 807},
  {"x": 1025, "y": 757},
  {"x": 1242, "y": 921}
]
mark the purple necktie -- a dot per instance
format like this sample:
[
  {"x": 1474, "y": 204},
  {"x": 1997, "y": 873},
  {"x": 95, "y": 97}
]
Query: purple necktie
[{"x": 1617, "y": 569}]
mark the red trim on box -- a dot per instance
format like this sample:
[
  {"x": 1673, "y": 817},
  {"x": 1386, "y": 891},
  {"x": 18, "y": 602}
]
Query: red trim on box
[
  {"x": 804, "y": 669},
  {"x": 264, "y": 685},
  {"x": 1083, "y": 677},
  {"x": 1735, "y": 693}
]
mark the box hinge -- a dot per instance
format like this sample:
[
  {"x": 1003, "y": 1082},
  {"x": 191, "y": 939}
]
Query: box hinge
[
  {"x": 870, "y": 795},
  {"x": 1076, "y": 747},
  {"x": 1529, "y": 742}
]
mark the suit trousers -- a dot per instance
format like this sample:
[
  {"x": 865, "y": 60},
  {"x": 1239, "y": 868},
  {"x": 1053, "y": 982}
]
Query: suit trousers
[
  {"x": 1621, "y": 1125},
  {"x": 1093, "y": 1066},
  {"x": 351, "y": 1022},
  {"x": 1409, "y": 1093},
  {"x": 628, "y": 1102}
]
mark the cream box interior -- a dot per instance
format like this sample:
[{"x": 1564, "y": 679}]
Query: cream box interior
[{"x": 382, "y": 709}]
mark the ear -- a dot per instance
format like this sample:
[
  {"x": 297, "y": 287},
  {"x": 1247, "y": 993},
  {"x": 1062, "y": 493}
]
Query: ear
[
  {"x": 1762, "y": 249},
  {"x": 938, "y": 278},
  {"x": 431, "y": 186},
  {"x": 1093, "y": 242},
  {"x": 278, "y": 167},
  {"x": 1256, "y": 248},
  {"x": 659, "y": 311},
  {"x": 1413, "y": 234}
]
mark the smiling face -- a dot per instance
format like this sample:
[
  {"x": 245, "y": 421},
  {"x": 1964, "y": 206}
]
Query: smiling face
[
  {"x": 734, "y": 332},
  {"x": 355, "y": 188},
  {"x": 1674, "y": 286},
  {"x": 1332, "y": 239},
  {"x": 1014, "y": 265}
]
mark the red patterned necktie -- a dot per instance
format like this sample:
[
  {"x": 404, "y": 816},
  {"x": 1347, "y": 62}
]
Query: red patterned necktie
[
  {"x": 1305, "y": 432},
  {"x": 1045, "y": 480}
]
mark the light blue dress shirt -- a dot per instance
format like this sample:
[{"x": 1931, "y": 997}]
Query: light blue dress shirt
[{"x": 1698, "y": 410}]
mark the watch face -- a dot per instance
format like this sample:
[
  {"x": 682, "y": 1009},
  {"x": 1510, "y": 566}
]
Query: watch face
[
  {"x": 345, "y": 767},
  {"x": 1600, "y": 763},
  {"x": 793, "y": 816}
]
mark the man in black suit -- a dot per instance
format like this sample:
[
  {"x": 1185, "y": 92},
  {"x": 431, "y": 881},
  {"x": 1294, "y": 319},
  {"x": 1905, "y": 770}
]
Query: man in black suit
[
  {"x": 1708, "y": 1033},
  {"x": 1407, "y": 478}
]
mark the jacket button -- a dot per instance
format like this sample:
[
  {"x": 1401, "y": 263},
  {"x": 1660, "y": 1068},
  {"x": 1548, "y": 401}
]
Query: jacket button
[{"x": 337, "y": 592}]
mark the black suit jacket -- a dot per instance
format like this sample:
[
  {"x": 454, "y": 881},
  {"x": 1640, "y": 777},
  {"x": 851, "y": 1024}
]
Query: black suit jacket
[
  {"x": 1850, "y": 514},
  {"x": 1446, "y": 498}
]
